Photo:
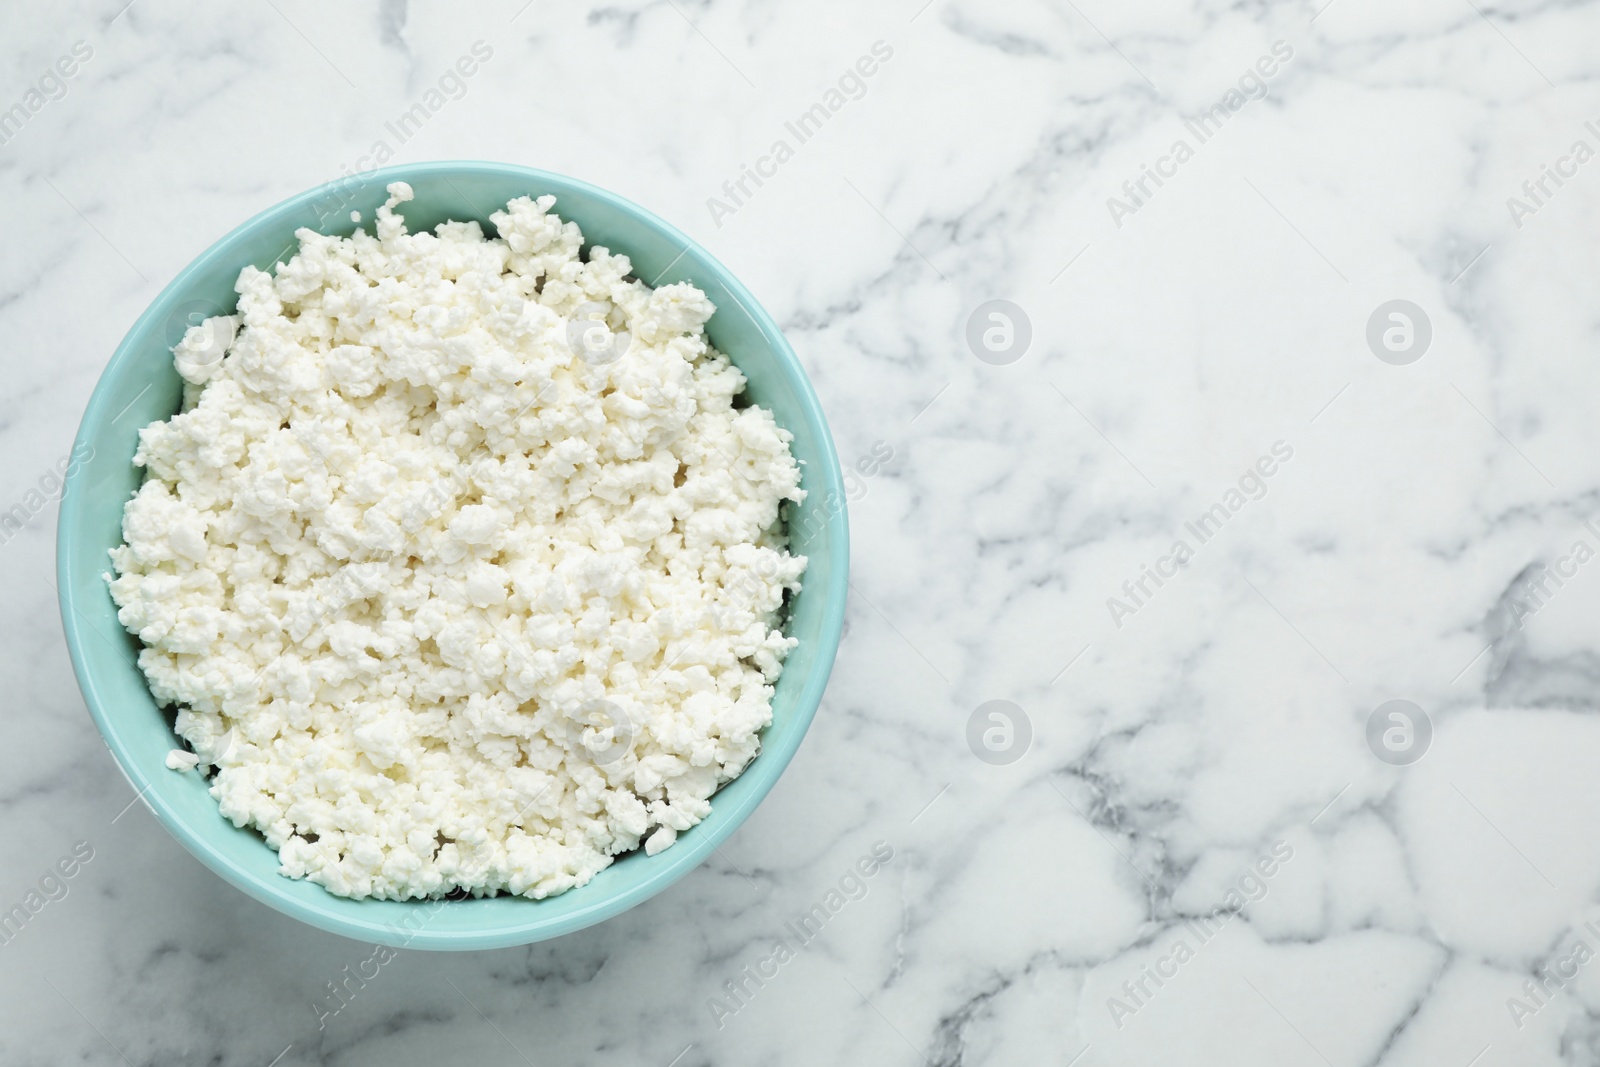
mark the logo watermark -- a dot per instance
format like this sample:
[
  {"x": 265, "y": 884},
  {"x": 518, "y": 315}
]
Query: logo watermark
[
  {"x": 1399, "y": 332},
  {"x": 999, "y": 332},
  {"x": 999, "y": 732},
  {"x": 591, "y": 336},
  {"x": 1399, "y": 732},
  {"x": 606, "y": 732}
]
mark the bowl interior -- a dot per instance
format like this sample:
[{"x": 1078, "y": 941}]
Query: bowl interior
[{"x": 140, "y": 386}]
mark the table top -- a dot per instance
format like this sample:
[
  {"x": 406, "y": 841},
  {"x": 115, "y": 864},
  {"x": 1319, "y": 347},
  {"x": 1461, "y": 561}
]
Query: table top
[{"x": 1219, "y": 675}]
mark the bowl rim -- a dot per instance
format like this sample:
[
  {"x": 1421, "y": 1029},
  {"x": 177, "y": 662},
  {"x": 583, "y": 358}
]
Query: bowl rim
[{"x": 672, "y": 864}]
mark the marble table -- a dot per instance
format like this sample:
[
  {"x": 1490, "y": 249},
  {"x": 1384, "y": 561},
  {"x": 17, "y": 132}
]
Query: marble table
[{"x": 1282, "y": 420}]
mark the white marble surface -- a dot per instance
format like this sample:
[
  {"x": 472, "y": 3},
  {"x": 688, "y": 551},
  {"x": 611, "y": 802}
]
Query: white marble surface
[{"x": 1226, "y": 715}]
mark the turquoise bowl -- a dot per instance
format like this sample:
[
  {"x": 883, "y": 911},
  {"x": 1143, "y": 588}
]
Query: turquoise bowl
[{"x": 140, "y": 386}]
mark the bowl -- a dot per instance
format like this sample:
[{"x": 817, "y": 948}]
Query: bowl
[{"x": 141, "y": 386}]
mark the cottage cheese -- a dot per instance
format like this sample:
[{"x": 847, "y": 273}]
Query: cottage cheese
[{"x": 460, "y": 563}]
